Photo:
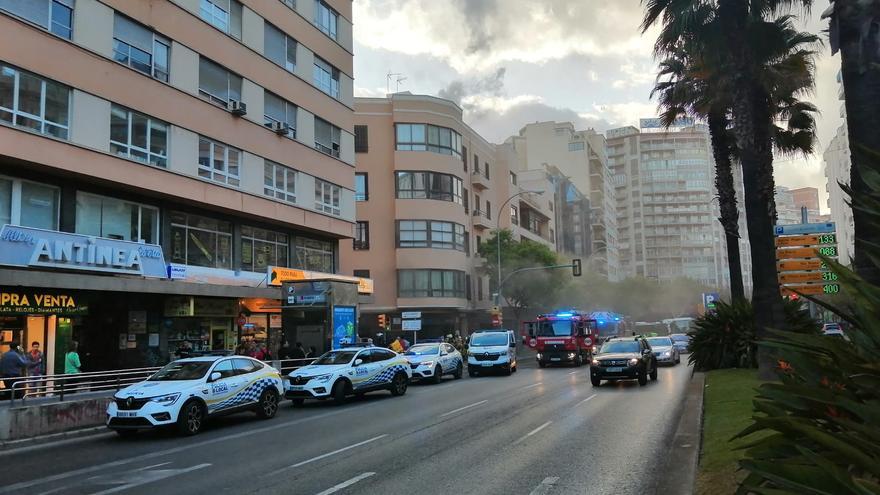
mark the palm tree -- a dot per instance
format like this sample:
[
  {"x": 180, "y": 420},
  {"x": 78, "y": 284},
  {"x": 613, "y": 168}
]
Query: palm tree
[
  {"x": 853, "y": 26},
  {"x": 749, "y": 42}
]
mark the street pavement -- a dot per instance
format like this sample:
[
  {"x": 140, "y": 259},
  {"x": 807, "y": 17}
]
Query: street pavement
[{"x": 539, "y": 431}]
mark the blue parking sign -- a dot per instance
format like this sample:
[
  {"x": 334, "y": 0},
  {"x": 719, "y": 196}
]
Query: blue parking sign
[{"x": 709, "y": 300}]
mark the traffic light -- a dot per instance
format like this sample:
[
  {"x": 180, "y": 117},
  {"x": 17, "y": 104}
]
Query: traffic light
[
  {"x": 576, "y": 267},
  {"x": 383, "y": 321}
]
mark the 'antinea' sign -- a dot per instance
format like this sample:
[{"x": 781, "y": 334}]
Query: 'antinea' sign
[{"x": 26, "y": 246}]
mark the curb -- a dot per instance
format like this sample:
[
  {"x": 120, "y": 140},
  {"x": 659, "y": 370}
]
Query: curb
[
  {"x": 55, "y": 438},
  {"x": 678, "y": 475}
]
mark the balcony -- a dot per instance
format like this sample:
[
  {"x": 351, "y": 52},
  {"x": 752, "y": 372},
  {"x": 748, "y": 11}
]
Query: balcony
[
  {"x": 480, "y": 221},
  {"x": 479, "y": 181}
]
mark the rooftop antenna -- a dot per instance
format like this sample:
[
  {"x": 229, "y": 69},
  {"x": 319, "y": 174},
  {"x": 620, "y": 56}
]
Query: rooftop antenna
[
  {"x": 399, "y": 80},
  {"x": 388, "y": 80}
]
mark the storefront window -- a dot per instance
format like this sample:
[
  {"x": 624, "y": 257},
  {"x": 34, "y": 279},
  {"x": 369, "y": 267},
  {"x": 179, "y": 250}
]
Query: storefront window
[
  {"x": 116, "y": 219},
  {"x": 262, "y": 248},
  {"x": 200, "y": 241},
  {"x": 28, "y": 204},
  {"x": 315, "y": 255}
]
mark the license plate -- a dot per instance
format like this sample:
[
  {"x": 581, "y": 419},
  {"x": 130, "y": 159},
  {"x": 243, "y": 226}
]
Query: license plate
[
  {"x": 613, "y": 370},
  {"x": 487, "y": 364},
  {"x": 297, "y": 387},
  {"x": 126, "y": 414},
  {"x": 555, "y": 359}
]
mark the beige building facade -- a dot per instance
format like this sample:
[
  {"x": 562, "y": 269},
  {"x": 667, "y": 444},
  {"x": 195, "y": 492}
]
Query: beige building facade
[{"x": 837, "y": 171}]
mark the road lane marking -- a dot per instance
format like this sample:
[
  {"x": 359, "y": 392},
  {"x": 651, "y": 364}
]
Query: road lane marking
[
  {"x": 545, "y": 486},
  {"x": 18, "y": 487},
  {"x": 328, "y": 454},
  {"x": 533, "y": 385},
  {"x": 536, "y": 430},
  {"x": 463, "y": 408},
  {"x": 142, "y": 477},
  {"x": 585, "y": 400},
  {"x": 573, "y": 372},
  {"x": 346, "y": 484}
]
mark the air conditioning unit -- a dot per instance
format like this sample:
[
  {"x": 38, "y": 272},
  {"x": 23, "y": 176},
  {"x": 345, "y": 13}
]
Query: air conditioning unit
[
  {"x": 237, "y": 107},
  {"x": 281, "y": 128}
]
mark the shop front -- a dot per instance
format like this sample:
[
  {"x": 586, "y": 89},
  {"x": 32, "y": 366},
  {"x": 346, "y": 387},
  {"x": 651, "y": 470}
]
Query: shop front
[{"x": 197, "y": 325}]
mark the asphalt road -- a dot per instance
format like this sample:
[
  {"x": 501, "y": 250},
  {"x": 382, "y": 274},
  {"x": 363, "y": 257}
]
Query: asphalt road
[{"x": 540, "y": 431}]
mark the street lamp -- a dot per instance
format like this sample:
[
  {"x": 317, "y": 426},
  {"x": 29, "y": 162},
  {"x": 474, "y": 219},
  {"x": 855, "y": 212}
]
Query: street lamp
[{"x": 498, "y": 240}]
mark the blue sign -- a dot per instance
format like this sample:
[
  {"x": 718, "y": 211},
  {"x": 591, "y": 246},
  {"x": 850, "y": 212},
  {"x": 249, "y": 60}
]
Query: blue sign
[
  {"x": 307, "y": 293},
  {"x": 804, "y": 228},
  {"x": 26, "y": 246},
  {"x": 709, "y": 300},
  {"x": 343, "y": 326},
  {"x": 176, "y": 272}
]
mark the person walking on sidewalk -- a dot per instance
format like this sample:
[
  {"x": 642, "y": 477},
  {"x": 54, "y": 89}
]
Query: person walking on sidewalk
[
  {"x": 12, "y": 364},
  {"x": 72, "y": 365},
  {"x": 35, "y": 368}
]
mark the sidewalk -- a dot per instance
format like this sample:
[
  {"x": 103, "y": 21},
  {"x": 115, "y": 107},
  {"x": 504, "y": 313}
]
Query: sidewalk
[{"x": 678, "y": 475}]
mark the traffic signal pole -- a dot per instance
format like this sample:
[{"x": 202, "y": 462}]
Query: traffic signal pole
[{"x": 575, "y": 266}]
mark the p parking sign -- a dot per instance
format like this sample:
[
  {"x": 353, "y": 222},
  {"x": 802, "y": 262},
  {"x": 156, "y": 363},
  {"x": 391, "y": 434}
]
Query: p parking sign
[{"x": 709, "y": 300}]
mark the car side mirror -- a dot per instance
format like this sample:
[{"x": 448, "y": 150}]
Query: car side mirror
[
  {"x": 513, "y": 344},
  {"x": 214, "y": 376},
  {"x": 358, "y": 362}
]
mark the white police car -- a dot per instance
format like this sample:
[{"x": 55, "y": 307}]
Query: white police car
[
  {"x": 433, "y": 360},
  {"x": 186, "y": 392},
  {"x": 349, "y": 371},
  {"x": 492, "y": 350}
]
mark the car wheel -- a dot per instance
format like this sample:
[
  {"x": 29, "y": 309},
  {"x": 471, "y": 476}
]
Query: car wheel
[
  {"x": 515, "y": 367},
  {"x": 654, "y": 373},
  {"x": 595, "y": 381},
  {"x": 508, "y": 370},
  {"x": 339, "y": 391},
  {"x": 268, "y": 404},
  {"x": 297, "y": 402},
  {"x": 126, "y": 433},
  {"x": 459, "y": 370},
  {"x": 542, "y": 364},
  {"x": 190, "y": 418},
  {"x": 643, "y": 378},
  {"x": 678, "y": 359},
  {"x": 438, "y": 375},
  {"x": 471, "y": 373},
  {"x": 398, "y": 384}
]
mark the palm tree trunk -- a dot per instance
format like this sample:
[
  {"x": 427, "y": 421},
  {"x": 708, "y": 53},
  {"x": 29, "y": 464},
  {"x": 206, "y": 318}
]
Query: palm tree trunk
[
  {"x": 857, "y": 22},
  {"x": 729, "y": 219},
  {"x": 752, "y": 120}
]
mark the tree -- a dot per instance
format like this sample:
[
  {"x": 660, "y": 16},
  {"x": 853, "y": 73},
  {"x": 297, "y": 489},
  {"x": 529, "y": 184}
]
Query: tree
[
  {"x": 528, "y": 290},
  {"x": 853, "y": 31}
]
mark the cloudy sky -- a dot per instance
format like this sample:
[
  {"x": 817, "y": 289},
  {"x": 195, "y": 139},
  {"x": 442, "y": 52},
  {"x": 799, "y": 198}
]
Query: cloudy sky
[{"x": 511, "y": 62}]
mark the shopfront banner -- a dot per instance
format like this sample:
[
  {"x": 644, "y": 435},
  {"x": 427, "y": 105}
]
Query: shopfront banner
[
  {"x": 278, "y": 274},
  {"x": 343, "y": 326},
  {"x": 26, "y": 246},
  {"x": 41, "y": 301}
]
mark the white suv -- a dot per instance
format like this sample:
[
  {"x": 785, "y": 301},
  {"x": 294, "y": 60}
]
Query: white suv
[
  {"x": 492, "y": 350},
  {"x": 349, "y": 371},
  {"x": 433, "y": 360},
  {"x": 186, "y": 392}
]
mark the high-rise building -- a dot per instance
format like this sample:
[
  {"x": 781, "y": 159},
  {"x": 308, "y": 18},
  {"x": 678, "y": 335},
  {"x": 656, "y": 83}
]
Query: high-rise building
[
  {"x": 837, "y": 172},
  {"x": 667, "y": 214},
  {"x": 790, "y": 201},
  {"x": 157, "y": 158}
]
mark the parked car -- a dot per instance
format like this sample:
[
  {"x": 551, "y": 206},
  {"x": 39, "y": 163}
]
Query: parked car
[
  {"x": 432, "y": 361},
  {"x": 490, "y": 350},
  {"x": 835, "y": 330},
  {"x": 624, "y": 358},
  {"x": 187, "y": 392},
  {"x": 664, "y": 350},
  {"x": 681, "y": 341}
]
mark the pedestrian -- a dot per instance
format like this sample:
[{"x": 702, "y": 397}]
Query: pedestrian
[
  {"x": 313, "y": 353},
  {"x": 264, "y": 353},
  {"x": 72, "y": 366},
  {"x": 13, "y": 363},
  {"x": 404, "y": 342},
  {"x": 397, "y": 345},
  {"x": 35, "y": 368},
  {"x": 285, "y": 351},
  {"x": 298, "y": 352}
]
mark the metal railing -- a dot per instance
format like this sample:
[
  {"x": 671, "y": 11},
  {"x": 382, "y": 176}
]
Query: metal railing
[{"x": 61, "y": 386}]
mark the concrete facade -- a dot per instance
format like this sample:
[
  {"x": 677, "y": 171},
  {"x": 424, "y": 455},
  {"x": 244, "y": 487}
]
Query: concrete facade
[{"x": 837, "y": 171}]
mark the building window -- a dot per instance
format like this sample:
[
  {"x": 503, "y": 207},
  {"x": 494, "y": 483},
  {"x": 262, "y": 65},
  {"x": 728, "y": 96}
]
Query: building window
[
  {"x": 429, "y": 185},
  {"x": 314, "y": 254},
  {"x": 279, "y": 182},
  {"x": 576, "y": 146},
  {"x": 476, "y": 204},
  {"x": 224, "y": 15},
  {"x": 219, "y": 162},
  {"x": 430, "y": 234},
  {"x": 28, "y": 204},
  {"x": 465, "y": 200},
  {"x": 326, "y": 78},
  {"x": 200, "y": 241},
  {"x": 218, "y": 84},
  {"x": 327, "y": 197},
  {"x": 326, "y": 18},
  {"x": 139, "y": 48},
  {"x": 514, "y": 215},
  {"x": 327, "y": 137},
  {"x": 486, "y": 170},
  {"x": 116, "y": 219},
  {"x": 34, "y": 103},
  {"x": 279, "y": 48},
  {"x": 479, "y": 282},
  {"x": 476, "y": 164},
  {"x": 262, "y": 248},
  {"x": 424, "y": 137},
  {"x": 55, "y": 16},
  {"x": 488, "y": 210},
  {"x": 279, "y": 110},
  {"x": 513, "y": 178},
  {"x": 361, "y": 139},
  {"x": 138, "y": 136},
  {"x": 464, "y": 157},
  {"x": 362, "y": 236},
  {"x": 431, "y": 283},
  {"x": 361, "y": 187},
  {"x": 467, "y": 287},
  {"x": 361, "y": 273}
]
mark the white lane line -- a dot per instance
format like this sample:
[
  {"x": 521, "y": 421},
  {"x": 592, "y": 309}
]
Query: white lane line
[
  {"x": 573, "y": 372},
  {"x": 157, "y": 475},
  {"x": 475, "y": 404},
  {"x": 585, "y": 400},
  {"x": 337, "y": 451},
  {"x": 545, "y": 486},
  {"x": 346, "y": 484},
  {"x": 533, "y": 385},
  {"x": 536, "y": 430},
  {"x": 18, "y": 487}
]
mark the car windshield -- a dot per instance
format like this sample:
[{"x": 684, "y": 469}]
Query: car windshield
[
  {"x": 620, "y": 346},
  {"x": 558, "y": 328},
  {"x": 488, "y": 339},
  {"x": 660, "y": 342},
  {"x": 190, "y": 370},
  {"x": 336, "y": 357},
  {"x": 680, "y": 338},
  {"x": 422, "y": 350}
]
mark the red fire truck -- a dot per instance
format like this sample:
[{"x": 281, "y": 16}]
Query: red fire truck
[{"x": 567, "y": 336}]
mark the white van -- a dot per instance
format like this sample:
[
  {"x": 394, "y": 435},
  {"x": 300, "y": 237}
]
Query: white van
[{"x": 490, "y": 350}]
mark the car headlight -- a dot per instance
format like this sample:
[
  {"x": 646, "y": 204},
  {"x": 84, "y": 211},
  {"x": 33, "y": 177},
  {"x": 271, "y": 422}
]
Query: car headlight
[
  {"x": 570, "y": 354},
  {"x": 667, "y": 354},
  {"x": 166, "y": 400},
  {"x": 426, "y": 363},
  {"x": 323, "y": 378},
  {"x": 633, "y": 362},
  {"x": 539, "y": 355},
  {"x": 595, "y": 362}
]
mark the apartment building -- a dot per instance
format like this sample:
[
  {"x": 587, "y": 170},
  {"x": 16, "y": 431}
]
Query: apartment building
[
  {"x": 666, "y": 208},
  {"x": 581, "y": 161},
  {"x": 790, "y": 201},
  {"x": 837, "y": 171},
  {"x": 157, "y": 159}
]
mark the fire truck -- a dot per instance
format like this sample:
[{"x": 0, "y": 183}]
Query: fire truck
[{"x": 566, "y": 336}]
